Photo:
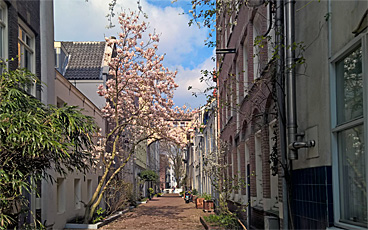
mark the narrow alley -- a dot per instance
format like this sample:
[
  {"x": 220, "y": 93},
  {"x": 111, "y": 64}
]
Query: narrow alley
[{"x": 167, "y": 212}]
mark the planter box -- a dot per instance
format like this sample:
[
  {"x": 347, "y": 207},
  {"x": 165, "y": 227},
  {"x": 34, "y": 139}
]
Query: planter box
[
  {"x": 199, "y": 203},
  {"x": 207, "y": 225},
  {"x": 97, "y": 225},
  {"x": 208, "y": 205}
]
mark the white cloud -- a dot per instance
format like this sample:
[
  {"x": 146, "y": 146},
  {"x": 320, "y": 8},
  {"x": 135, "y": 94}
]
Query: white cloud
[
  {"x": 177, "y": 39},
  {"x": 191, "y": 77}
]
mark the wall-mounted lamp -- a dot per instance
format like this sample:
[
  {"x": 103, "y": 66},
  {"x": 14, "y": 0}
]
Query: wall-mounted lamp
[{"x": 225, "y": 51}]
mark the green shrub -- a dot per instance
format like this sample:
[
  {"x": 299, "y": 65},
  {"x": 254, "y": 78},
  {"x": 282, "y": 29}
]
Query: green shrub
[
  {"x": 99, "y": 215},
  {"x": 206, "y": 196},
  {"x": 195, "y": 192},
  {"x": 228, "y": 221}
]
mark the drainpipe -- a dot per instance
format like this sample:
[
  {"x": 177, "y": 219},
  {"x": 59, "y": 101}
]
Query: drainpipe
[
  {"x": 291, "y": 83},
  {"x": 281, "y": 106}
]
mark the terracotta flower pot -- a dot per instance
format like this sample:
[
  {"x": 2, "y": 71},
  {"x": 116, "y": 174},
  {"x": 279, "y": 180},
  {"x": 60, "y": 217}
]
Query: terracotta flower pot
[
  {"x": 199, "y": 203},
  {"x": 208, "y": 205}
]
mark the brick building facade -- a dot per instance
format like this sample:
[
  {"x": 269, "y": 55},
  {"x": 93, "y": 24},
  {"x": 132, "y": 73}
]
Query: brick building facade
[
  {"x": 23, "y": 16},
  {"x": 247, "y": 114}
]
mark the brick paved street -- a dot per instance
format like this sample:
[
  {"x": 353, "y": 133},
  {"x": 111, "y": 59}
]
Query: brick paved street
[{"x": 167, "y": 212}]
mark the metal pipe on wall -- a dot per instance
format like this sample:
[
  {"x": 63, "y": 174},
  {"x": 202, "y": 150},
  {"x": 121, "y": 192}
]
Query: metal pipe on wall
[
  {"x": 291, "y": 82},
  {"x": 281, "y": 105}
]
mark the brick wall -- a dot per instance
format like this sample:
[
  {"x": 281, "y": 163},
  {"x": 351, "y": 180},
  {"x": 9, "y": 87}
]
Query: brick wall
[
  {"x": 258, "y": 96},
  {"x": 266, "y": 164}
]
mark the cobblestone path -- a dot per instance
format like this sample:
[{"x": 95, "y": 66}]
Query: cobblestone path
[{"x": 167, "y": 212}]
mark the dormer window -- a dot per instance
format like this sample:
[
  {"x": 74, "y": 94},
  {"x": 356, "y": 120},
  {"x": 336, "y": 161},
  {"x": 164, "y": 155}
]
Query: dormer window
[{"x": 61, "y": 58}]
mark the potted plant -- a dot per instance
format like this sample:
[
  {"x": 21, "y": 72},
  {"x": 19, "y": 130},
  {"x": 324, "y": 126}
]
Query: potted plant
[
  {"x": 199, "y": 201},
  {"x": 150, "y": 191},
  {"x": 208, "y": 205}
]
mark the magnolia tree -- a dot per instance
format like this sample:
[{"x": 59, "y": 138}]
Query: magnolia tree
[{"x": 139, "y": 104}]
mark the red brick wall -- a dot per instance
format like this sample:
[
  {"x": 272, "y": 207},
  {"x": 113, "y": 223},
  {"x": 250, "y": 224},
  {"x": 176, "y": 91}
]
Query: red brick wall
[
  {"x": 266, "y": 164},
  {"x": 258, "y": 94}
]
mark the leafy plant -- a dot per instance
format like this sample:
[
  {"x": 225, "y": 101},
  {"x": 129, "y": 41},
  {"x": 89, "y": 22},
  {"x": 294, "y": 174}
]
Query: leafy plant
[
  {"x": 195, "y": 192},
  {"x": 148, "y": 175},
  {"x": 35, "y": 138},
  {"x": 228, "y": 220},
  {"x": 150, "y": 191},
  {"x": 99, "y": 215},
  {"x": 206, "y": 196}
]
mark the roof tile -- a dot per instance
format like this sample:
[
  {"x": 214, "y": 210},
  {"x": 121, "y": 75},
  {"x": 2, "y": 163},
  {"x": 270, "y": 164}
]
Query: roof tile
[{"x": 85, "y": 60}]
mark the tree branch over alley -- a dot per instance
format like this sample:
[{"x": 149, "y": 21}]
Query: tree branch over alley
[{"x": 139, "y": 105}]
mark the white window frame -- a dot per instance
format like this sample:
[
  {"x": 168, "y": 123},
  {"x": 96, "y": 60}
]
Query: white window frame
[
  {"x": 25, "y": 29},
  {"x": 352, "y": 45},
  {"x": 237, "y": 97},
  {"x": 245, "y": 68},
  {"x": 231, "y": 81},
  {"x": 259, "y": 166},
  {"x": 4, "y": 26},
  {"x": 256, "y": 50}
]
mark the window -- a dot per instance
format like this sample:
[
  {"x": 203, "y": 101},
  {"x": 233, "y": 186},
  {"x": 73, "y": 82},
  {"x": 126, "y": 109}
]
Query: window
[
  {"x": 245, "y": 69},
  {"x": 231, "y": 96},
  {"x": 349, "y": 137},
  {"x": 259, "y": 164},
  {"x": 256, "y": 48},
  {"x": 237, "y": 101},
  {"x": 247, "y": 176},
  {"x": 60, "y": 190},
  {"x": 77, "y": 193},
  {"x": 61, "y": 58},
  {"x": 26, "y": 55},
  {"x": 89, "y": 189},
  {"x": 274, "y": 177},
  {"x": 3, "y": 32}
]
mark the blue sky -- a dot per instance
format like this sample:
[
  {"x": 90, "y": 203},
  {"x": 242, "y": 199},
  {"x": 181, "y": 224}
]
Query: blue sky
[{"x": 77, "y": 20}]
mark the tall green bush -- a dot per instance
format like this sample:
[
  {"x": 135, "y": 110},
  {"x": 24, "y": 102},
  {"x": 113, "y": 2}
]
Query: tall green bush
[{"x": 33, "y": 139}]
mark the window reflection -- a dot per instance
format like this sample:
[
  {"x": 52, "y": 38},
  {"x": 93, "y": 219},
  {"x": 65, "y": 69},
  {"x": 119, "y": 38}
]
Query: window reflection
[
  {"x": 353, "y": 188},
  {"x": 350, "y": 87}
]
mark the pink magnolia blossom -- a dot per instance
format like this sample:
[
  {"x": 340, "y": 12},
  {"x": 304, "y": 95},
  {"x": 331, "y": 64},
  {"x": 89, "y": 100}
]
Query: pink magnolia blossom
[{"x": 139, "y": 93}]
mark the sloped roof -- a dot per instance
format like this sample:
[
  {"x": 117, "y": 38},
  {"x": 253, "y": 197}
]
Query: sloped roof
[{"x": 85, "y": 60}]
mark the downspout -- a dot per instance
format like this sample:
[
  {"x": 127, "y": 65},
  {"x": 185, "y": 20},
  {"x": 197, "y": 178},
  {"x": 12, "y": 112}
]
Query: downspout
[
  {"x": 291, "y": 83},
  {"x": 290, "y": 94},
  {"x": 281, "y": 106}
]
